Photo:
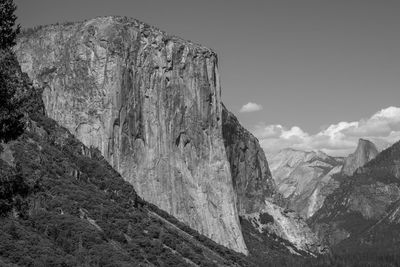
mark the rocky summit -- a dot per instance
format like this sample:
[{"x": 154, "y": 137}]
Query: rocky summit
[
  {"x": 151, "y": 103},
  {"x": 366, "y": 151}
]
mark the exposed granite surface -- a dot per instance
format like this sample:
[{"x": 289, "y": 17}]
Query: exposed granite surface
[
  {"x": 151, "y": 103},
  {"x": 289, "y": 226},
  {"x": 366, "y": 151}
]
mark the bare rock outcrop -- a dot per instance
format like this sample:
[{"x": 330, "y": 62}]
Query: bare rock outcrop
[
  {"x": 289, "y": 226},
  {"x": 151, "y": 103},
  {"x": 366, "y": 151}
]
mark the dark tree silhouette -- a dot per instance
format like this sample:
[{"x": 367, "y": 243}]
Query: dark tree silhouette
[
  {"x": 8, "y": 29},
  {"x": 10, "y": 113}
]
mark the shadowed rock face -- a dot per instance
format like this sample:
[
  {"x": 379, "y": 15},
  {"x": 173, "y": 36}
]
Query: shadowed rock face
[
  {"x": 151, "y": 103},
  {"x": 257, "y": 195},
  {"x": 365, "y": 152},
  {"x": 250, "y": 172}
]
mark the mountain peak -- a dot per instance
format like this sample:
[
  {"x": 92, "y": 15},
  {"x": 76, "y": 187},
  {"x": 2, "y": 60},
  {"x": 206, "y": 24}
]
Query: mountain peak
[
  {"x": 366, "y": 146},
  {"x": 366, "y": 151},
  {"x": 362, "y": 141}
]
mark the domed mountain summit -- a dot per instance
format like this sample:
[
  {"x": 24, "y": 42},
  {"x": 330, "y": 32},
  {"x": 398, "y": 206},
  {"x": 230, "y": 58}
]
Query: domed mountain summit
[{"x": 366, "y": 151}]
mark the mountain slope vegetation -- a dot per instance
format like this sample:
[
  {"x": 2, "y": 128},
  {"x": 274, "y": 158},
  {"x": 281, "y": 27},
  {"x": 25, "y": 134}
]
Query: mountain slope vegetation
[{"x": 362, "y": 215}]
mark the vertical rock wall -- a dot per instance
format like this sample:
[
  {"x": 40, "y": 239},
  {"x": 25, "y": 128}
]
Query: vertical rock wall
[
  {"x": 257, "y": 196},
  {"x": 151, "y": 104},
  {"x": 250, "y": 172}
]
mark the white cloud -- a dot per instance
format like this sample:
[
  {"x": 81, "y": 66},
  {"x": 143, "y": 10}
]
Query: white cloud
[
  {"x": 382, "y": 128},
  {"x": 251, "y": 107}
]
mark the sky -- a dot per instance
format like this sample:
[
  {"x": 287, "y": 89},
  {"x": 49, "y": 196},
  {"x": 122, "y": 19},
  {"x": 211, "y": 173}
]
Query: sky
[{"x": 291, "y": 70}]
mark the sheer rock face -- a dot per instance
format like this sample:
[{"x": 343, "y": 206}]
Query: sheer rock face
[
  {"x": 151, "y": 104},
  {"x": 256, "y": 190},
  {"x": 304, "y": 178},
  {"x": 250, "y": 172},
  {"x": 365, "y": 152}
]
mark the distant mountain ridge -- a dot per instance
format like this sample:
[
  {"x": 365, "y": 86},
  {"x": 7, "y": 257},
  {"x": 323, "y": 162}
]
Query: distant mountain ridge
[
  {"x": 363, "y": 212},
  {"x": 305, "y": 179}
]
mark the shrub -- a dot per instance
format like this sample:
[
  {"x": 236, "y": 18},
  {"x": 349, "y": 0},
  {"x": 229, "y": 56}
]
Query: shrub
[{"x": 265, "y": 218}]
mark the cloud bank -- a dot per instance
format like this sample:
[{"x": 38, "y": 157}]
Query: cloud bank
[
  {"x": 251, "y": 107},
  {"x": 382, "y": 128}
]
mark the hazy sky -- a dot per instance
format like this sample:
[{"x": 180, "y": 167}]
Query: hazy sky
[{"x": 302, "y": 63}]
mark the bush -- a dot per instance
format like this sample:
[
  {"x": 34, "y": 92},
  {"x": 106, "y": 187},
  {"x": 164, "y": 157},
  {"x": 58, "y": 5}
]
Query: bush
[{"x": 265, "y": 218}]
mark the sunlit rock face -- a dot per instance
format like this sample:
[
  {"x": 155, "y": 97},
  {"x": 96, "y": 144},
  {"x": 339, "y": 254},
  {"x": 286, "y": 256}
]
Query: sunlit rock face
[
  {"x": 366, "y": 151},
  {"x": 250, "y": 172},
  {"x": 151, "y": 103},
  {"x": 287, "y": 225},
  {"x": 304, "y": 178}
]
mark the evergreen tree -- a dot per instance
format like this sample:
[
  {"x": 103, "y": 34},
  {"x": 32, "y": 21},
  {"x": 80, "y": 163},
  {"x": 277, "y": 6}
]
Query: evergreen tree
[
  {"x": 8, "y": 29},
  {"x": 10, "y": 113}
]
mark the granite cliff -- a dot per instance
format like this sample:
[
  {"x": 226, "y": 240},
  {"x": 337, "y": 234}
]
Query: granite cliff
[
  {"x": 62, "y": 204},
  {"x": 151, "y": 103},
  {"x": 366, "y": 151}
]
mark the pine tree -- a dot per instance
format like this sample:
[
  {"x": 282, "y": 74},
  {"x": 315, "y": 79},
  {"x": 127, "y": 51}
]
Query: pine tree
[
  {"x": 8, "y": 29},
  {"x": 10, "y": 113}
]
